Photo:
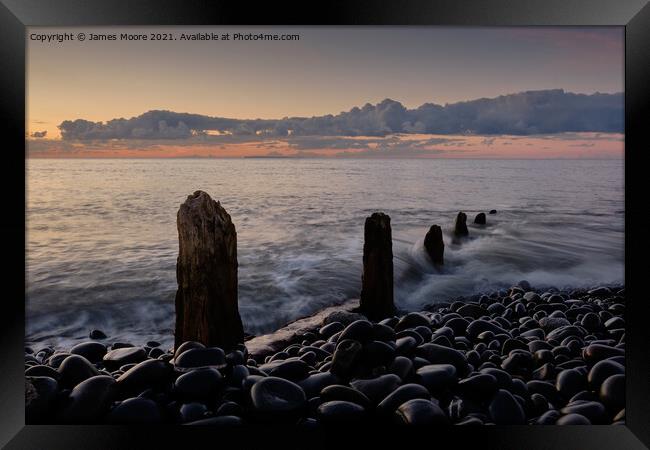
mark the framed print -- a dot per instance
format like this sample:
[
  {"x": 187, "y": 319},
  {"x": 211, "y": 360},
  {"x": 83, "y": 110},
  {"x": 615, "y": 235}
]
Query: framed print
[{"x": 324, "y": 226}]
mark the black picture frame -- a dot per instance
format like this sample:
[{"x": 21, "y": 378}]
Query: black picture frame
[{"x": 16, "y": 15}]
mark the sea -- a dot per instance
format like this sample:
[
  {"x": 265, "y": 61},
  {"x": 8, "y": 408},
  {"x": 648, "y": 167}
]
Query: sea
[{"x": 101, "y": 237}]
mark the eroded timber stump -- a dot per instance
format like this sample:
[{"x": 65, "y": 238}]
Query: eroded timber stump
[
  {"x": 460, "y": 226},
  {"x": 206, "y": 272},
  {"x": 376, "y": 300},
  {"x": 434, "y": 245}
]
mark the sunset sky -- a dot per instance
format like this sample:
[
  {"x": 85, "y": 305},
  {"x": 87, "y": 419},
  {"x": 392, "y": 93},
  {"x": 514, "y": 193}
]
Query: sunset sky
[{"x": 329, "y": 71}]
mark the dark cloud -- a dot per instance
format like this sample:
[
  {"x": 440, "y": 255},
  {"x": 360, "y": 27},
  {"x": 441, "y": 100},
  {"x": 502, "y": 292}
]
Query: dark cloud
[
  {"x": 38, "y": 134},
  {"x": 525, "y": 113}
]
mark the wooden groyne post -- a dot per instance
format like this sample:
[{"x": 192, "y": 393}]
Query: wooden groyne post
[
  {"x": 376, "y": 300},
  {"x": 206, "y": 272}
]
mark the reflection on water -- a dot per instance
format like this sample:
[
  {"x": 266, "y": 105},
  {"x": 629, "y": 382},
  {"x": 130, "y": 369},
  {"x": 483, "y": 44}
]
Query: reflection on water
[{"x": 102, "y": 240}]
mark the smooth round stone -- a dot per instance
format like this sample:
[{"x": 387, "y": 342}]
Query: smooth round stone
[
  {"x": 293, "y": 370},
  {"x": 238, "y": 374},
  {"x": 600, "y": 291},
  {"x": 597, "y": 352},
  {"x": 190, "y": 412},
  {"x": 89, "y": 400},
  {"x": 437, "y": 377},
  {"x": 338, "y": 411},
  {"x": 550, "y": 417},
  {"x": 479, "y": 326},
  {"x": 150, "y": 373},
  {"x": 345, "y": 393},
  {"x": 536, "y": 346},
  {"x": 481, "y": 386},
  {"x": 401, "y": 395},
  {"x": 615, "y": 323},
  {"x": 411, "y": 333},
  {"x": 235, "y": 357},
  {"x": 496, "y": 309},
  {"x": 121, "y": 356},
  {"x": 472, "y": 310},
  {"x": 97, "y": 334},
  {"x": 201, "y": 357},
  {"x": 569, "y": 382},
  {"x": 345, "y": 357},
  {"x": 549, "y": 323},
  {"x": 504, "y": 380},
  {"x": 405, "y": 345},
  {"x": 315, "y": 383},
  {"x": 381, "y": 332},
  {"x": 458, "y": 325},
  {"x": 538, "y": 405},
  {"x": 40, "y": 393},
  {"x": 200, "y": 383},
  {"x": 156, "y": 352},
  {"x": 423, "y": 331},
  {"x": 412, "y": 320},
  {"x": 546, "y": 372},
  {"x": 319, "y": 352},
  {"x": 274, "y": 395},
  {"x": 505, "y": 409},
  {"x": 603, "y": 370},
  {"x": 438, "y": 354},
  {"x": 230, "y": 409},
  {"x": 421, "y": 412},
  {"x": 187, "y": 346},
  {"x": 40, "y": 370},
  {"x": 573, "y": 419},
  {"x": 360, "y": 330},
  {"x": 153, "y": 344},
  {"x": 137, "y": 410},
  {"x": 330, "y": 329},
  {"x": 442, "y": 340},
  {"x": 279, "y": 356},
  {"x": 518, "y": 364},
  {"x": 92, "y": 351},
  {"x": 584, "y": 395},
  {"x": 74, "y": 369},
  {"x": 402, "y": 367},
  {"x": 377, "y": 389},
  {"x": 117, "y": 345},
  {"x": 612, "y": 392},
  {"x": 594, "y": 411},
  {"x": 591, "y": 321},
  {"x": 376, "y": 353},
  {"x": 563, "y": 332},
  {"x": 546, "y": 389}
]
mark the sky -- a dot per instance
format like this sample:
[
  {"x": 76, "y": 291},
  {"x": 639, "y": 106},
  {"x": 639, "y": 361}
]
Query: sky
[{"x": 76, "y": 90}]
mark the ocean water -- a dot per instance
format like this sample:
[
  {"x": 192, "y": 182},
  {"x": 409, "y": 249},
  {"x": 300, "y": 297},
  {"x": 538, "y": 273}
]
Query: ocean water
[{"x": 102, "y": 239}]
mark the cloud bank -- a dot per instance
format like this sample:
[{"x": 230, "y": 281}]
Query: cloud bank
[{"x": 524, "y": 113}]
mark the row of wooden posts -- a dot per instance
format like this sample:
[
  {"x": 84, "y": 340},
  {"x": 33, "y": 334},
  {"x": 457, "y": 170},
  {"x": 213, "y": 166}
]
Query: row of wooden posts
[{"x": 206, "y": 270}]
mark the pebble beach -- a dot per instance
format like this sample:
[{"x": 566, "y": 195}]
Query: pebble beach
[{"x": 509, "y": 357}]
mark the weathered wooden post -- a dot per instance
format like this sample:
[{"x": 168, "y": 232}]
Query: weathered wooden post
[
  {"x": 480, "y": 219},
  {"x": 434, "y": 245},
  {"x": 206, "y": 272},
  {"x": 460, "y": 227},
  {"x": 376, "y": 300}
]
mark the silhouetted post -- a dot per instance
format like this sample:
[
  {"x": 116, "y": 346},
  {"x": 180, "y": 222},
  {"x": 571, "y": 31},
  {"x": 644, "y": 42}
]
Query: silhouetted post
[
  {"x": 434, "y": 245},
  {"x": 460, "y": 227},
  {"x": 480, "y": 219},
  {"x": 206, "y": 272},
  {"x": 377, "y": 280}
]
